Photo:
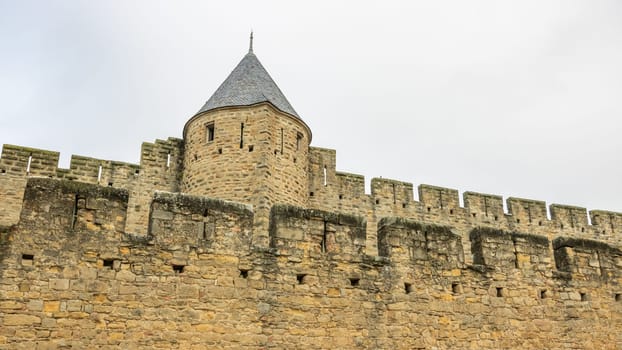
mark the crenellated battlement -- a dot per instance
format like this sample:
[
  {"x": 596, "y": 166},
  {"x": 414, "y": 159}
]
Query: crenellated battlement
[
  {"x": 439, "y": 205},
  {"x": 329, "y": 190}
]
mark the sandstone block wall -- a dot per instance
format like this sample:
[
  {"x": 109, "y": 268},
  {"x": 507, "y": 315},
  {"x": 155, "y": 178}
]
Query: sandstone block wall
[
  {"x": 332, "y": 190},
  {"x": 72, "y": 276},
  {"x": 159, "y": 169}
]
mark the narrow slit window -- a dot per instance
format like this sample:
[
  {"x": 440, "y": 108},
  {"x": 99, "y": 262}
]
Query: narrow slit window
[
  {"x": 74, "y": 216},
  {"x": 298, "y": 141},
  {"x": 394, "y": 194},
  {"x": 324, "y": 237},
  {"x": 210, "y": 132},
  {"x": 29, "y": 164},
  {"x": 543, "y": 294},
  {"x": 325, "y": 179},
  {"x": 408, "y": 288},
  {"x": 242, "y": 135},
  {"x": 281, "y": 141}
]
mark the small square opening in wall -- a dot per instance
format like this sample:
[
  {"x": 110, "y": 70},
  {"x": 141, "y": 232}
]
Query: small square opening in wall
[
  {"x": 110, "y": 184},
  {"x": 584, "y": 296},
  {"x": 408, "y": 288},
  {"x": 455, "y": 288},
  {"x": 354, "y": 281},
  {"x": 451, "y": 212},
  {"x": 2, "y": 171},
  {"x": 251, "y": 148},
  {"x": 543, "y": 294},
  {"x": 617, "y": 297},
  {"x": 496, "y": 218},
  {"x": 109, "y": 263},
  {"x": 243, "y": 273},
  {"x": 340, "y": 196},
  {"x": 178, "y": 268},
  {"x": 301, "y": 278},
  {"x": 499, "y": 292},
  {"x": 377, "y": 201},
  {"x": 429, "y": 209},
  {"x": 404, "y": 205},
  {"x": 27, "y": 259},
  {"x": 311, "y": 194},
  {"x": 220, "y": 151}
]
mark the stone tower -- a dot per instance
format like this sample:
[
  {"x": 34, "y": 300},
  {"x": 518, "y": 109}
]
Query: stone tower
[{"x": 247, "y": 143}]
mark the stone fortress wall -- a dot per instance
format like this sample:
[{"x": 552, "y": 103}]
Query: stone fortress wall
[
  {"x": 242, "y": 235},
  {"x": 72, "y": 277},
  {"x": 117, "y": 257}
]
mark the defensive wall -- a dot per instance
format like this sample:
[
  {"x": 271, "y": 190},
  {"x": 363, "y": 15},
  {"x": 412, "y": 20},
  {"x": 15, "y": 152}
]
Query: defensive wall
[
  {"x": 72, "y": 276},
  {"x": 160, "y": 168}
]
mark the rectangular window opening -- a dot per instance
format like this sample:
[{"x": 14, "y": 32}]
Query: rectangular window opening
[
  {"x": 243, "y": 273},
  {"x": 455, "y": 288},
  {"x": 408, "y": 288},
  {"x": 617, "y": 297},
  {"x": 210, "y": 132},
  {"x": 109, "y": 263},
  {"x": 354, "y": 281},
  {"x": 499, "y": 292},
  {"x": 250, "y": 148},
  {"x": 301, "y": 278},
  {"x": 584, "y": 296},
  {"x": 178, "y": 268},
  {"x": 543, "y": 294}
]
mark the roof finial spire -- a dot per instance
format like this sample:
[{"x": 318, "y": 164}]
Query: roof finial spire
[{"x": 250, "y": 47}]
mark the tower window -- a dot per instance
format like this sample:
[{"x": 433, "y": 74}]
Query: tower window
[
  {"x": 298, "y": 140},
  {"x": 210, "y": 132}
]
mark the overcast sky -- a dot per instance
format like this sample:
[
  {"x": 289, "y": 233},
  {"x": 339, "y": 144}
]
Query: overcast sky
[{"x": 516, "y": 98}]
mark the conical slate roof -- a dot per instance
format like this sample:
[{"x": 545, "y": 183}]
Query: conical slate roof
[{"x": 248, "y": 84}]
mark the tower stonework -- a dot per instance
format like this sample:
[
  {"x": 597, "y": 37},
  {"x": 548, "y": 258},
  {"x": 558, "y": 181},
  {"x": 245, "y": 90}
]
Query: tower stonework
[{"x": 242, "y": 235}]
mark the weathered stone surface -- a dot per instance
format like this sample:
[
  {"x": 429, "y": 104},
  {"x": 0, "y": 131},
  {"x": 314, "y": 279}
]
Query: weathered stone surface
[{"x": 107, "y": 254}]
